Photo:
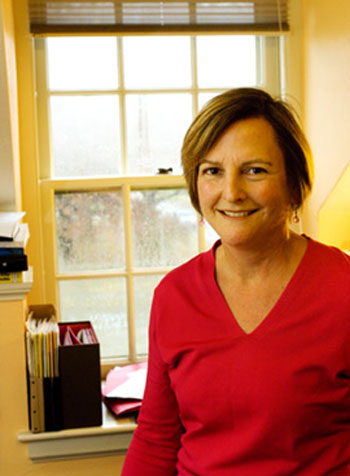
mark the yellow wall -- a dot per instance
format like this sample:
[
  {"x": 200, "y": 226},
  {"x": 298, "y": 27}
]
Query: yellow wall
[
  {"x": 326, "y": 98},
  {"x": 334, "y": 217},
  {"x": 13, "y": 414}
]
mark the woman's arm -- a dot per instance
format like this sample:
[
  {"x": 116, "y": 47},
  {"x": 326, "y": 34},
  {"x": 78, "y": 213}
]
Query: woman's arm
[{"x": 153, "y": 450}]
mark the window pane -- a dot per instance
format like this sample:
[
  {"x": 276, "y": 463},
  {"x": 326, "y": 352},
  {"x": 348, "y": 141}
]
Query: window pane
[
  {"x": 210, "y": 236},
  {"x": 157, "y": 62},
  {"x": 103, "y": 303},
  {"x": 144, "y": 287},
  {"x": 90, "y": 231},
  {"x": 164, "y": 227},
  {"x": 226, "y": 61},
  {"x": 82, "y": 63},
  {"x": 203, "y": 98},
  {"x": 156, "y": 125},
  {"x": 85, "y": 135}
]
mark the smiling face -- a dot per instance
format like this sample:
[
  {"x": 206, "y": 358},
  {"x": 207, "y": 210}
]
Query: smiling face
[{"x": 242, "y": 186}]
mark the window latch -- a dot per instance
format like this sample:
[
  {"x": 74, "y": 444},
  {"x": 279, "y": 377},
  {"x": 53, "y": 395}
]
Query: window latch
[{"x": 162, "y": 171}]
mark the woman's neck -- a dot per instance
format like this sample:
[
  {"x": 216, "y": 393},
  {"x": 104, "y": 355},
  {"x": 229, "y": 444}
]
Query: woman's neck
[{"x": 255, "y": 264}]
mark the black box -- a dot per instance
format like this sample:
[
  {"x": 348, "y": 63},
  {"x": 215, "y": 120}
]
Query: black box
[{"x": 79, "y": 368}]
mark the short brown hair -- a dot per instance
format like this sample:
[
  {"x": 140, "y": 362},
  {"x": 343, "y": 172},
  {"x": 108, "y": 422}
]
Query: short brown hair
[{"x": 244, "y": 103}]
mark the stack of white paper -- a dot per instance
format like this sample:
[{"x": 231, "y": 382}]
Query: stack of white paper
[{"x": 9, "y": 224}]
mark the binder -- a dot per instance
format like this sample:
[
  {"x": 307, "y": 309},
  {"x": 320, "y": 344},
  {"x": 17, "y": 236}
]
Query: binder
[
  {"x": 11, "y": 251},
  {"x": 36, "y": 404},
  {"x": 12, "y": 263},
  {"x": 15, "y": 277},
  {"x": 52, "y": 404}
]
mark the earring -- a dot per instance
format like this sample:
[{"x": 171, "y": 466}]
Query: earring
[
  {"x": 201, "y": 221},
  {"x": 296, "y": 218}
]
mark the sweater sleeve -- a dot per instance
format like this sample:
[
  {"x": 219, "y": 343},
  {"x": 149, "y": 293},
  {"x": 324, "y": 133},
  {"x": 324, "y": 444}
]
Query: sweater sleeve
[{"x": 154, "y": 447}]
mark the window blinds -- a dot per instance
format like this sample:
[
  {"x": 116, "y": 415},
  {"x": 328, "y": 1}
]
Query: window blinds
[{"x": 59, "y": 16}]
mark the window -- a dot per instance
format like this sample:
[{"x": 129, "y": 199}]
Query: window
[{"x": 112, "y": 113}]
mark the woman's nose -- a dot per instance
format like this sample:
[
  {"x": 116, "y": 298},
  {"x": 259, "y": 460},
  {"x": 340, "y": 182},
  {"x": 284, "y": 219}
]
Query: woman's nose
[{"x": 234, "y": 189}]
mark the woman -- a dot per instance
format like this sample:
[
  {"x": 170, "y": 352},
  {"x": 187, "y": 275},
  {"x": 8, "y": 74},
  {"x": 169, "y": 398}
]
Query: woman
[{"x": 249, "y": 361}]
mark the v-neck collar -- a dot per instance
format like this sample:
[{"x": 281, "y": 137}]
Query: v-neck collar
[{"x": 280, "y": 305}]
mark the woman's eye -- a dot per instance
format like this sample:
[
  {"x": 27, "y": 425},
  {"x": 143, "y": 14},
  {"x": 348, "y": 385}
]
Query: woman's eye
[
  {"x": 211, "y": 171},
  {"x": 256, "y": 170}
]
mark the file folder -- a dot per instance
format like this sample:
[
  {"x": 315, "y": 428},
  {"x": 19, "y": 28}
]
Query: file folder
[
  {"x": 43, "y": 382},
  {"x": 124, "y": 388}
]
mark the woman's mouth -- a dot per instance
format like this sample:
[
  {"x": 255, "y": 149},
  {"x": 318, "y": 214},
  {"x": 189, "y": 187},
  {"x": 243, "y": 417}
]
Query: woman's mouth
[{"x": 241, "y": 213}]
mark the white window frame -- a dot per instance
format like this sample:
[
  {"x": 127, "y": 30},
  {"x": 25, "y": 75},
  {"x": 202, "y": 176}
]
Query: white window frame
[{"x": 269, "y": 76}]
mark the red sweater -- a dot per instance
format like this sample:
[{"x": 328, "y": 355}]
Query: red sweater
[{"x": 276, "y": 402}]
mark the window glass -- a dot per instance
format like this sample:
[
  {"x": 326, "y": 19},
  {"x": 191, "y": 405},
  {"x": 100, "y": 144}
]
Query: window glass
[
  {"x": 164, "y": 227},
  {"x": 85, "y": 135},
  {"x": 82, "y": 63},
  {"x": 143, "y": 287},
  {"x": 152, "y": 63},
  {"x": 203, "y": 98},
  {"x": 156, "y": 124},
  {"x": 103, "y": 303},
  {"x": 210, "y": 236},
  {"x": 90, "y": 231},
  {"x": 226, "y": 61}
]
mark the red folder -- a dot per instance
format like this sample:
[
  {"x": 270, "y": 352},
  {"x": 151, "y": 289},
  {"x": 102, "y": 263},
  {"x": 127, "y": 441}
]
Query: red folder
[{"x": 124, "y": 388}]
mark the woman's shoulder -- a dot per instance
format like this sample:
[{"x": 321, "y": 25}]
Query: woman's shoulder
[
  {"x": 333, "y": 256},
  {"x": 327, "y": 269}
]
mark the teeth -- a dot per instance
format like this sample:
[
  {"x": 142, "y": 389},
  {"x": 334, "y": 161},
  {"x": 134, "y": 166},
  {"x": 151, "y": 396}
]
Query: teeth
[{"x": 236, "y": 214}]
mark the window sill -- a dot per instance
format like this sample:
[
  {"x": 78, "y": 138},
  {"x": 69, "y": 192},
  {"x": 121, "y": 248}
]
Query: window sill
[
  {"x": 17, "y": 291},
  {"x": 113, "y": 437}
]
